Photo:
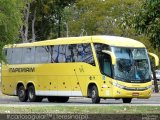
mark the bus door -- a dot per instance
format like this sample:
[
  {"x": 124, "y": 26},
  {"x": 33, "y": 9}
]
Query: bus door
[{"x": 105, "y": 63}]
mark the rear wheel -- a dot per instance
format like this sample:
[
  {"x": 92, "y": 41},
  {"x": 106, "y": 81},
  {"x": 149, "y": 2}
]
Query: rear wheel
[
  {"x": 61, "y": 99},
  {"x": 22, "y": 94},
  {"x": 126, "y": 100},
  {"x": 94, "y": 95},
  {"x": 32, "y": 96}
]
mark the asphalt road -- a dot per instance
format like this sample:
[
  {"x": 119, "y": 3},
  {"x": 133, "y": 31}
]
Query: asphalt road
[{"x": 81, "y": 101}]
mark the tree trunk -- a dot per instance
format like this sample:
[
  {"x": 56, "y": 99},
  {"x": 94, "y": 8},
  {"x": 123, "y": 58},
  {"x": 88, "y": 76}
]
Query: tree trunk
[
  {"x": 33, "y": 25},
  {"x": 59, "y": 26},
  {"x": 26, "y": 22},
  {"x": 67, "y": 29},
  {"x": 22, "y": 33}
]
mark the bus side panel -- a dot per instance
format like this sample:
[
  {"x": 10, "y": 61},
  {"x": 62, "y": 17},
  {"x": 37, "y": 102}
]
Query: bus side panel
[
  {"x": 54, "y": 79},
  {"x": 46, "y": 85},
  {"x": 8, "y": 82},
  {"x": 14, "y": 74},
  {"x": 64, "y": 79},
  {"x": 85, "y": 74}
]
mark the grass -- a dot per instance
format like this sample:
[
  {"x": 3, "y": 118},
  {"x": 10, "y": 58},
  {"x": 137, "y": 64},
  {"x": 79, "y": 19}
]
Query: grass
[{"x": 82, "y": 109}]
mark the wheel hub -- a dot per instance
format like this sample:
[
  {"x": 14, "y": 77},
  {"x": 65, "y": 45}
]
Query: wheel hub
[
  {"x": 93, "y": 94},
  {"x": 21, "y": 93},
  {"x": 31, "y": 94}
]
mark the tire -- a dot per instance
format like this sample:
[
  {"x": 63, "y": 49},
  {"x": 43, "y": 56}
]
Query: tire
[
  {"x": 126, "y": 100},
  {"x": 61, "y": 99},
  {"x": 22, "y": 94},
  {"x": 94, "y": 95},
  {"x": 32, "y": 96},
  {"x": 51, "y": 98}
]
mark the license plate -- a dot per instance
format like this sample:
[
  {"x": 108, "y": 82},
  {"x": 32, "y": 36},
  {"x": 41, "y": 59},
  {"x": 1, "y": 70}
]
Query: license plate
[{"x": 135, "y": 94}]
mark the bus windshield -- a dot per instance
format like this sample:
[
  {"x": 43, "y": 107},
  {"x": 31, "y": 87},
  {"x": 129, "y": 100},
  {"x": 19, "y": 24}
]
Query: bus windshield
[{"x": 132, "y": 64}]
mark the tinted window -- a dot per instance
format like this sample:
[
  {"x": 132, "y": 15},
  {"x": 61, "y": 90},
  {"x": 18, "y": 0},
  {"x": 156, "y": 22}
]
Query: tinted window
[
  {"x": 104, "y": 59},
  {"x": 62, "y": 53},
  {"x": 51, "y": 54},
  {"x": 55, "y": 53},
  {"x": 99, "y": 47},
  {"x": 28, "y": 55},
  {"x": 42, "y": 54},
  {"x": 105, "y": 64},
  {"x": 72, "y": 53},
  {"x": 80, "y": 53},
  {"x": 17, "y": 55},
  {"x": 8, "y": 53}
]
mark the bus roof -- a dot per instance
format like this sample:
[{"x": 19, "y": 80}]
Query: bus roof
[{"x": 109, "y": 40}]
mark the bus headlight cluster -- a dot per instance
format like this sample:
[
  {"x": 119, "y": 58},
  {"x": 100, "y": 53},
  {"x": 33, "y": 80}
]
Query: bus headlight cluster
[
  {"x": 131, "y": 88},
  {"x": 149, "y": 87},
  {"x": 118, "y": 85}
]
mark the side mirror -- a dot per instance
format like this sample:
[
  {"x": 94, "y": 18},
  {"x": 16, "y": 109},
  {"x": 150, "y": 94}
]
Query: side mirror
[
  {"x": 113, "y": 57},
  {"x": 156, "y": 59}
]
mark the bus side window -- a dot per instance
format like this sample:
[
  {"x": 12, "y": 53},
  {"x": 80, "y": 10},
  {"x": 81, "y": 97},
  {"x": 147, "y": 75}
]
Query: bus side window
[
  {"x": 17, "y": 56},
  {"x": 55, "y": 52},
  {"x": 68, "y": 54},
  {"x": 28, "y": 55},
  {"x": 80, "y": 53},
  {"x": 72, "y": 55},
  {"x": 8, "y": 55},
  {"x": 42, "y": 55},
  {"x": 62, "y": 52}
]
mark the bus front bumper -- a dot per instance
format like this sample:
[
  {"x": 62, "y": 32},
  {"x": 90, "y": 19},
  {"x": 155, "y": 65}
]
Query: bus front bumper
[{"x": 121, "y": 93}]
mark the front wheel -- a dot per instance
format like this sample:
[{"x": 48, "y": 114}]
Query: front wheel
[
  {"x": 94, "y": 95},
  {"x": 126, "y": 100},
  {"x": 22, "y": 95}
]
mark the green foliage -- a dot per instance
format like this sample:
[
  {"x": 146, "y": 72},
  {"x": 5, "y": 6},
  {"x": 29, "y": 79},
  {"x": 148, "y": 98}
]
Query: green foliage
[
  {"x": 44, "y": 23},
  {"x": 103, "y": 17},
  {"x": 49, "y": 18},
  {"x": 148, "y": 21},
  {"x": 106, "y": 17},
  {"x": 10, "y": 21}
]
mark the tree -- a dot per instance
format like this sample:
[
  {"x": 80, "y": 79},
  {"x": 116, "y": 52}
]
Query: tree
[
  {"x": 25, "y": 26},
  {"x": 43, "y": 19},
  {"x": 148, "y": 21},
  {"x": 103, "y": 17},
  {"x": 59, "y": 10},
  {"x": 10, "y": 22}
]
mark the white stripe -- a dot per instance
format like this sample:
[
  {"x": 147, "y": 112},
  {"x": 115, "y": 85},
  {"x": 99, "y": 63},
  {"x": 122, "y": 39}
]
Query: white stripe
[
  {"x": 58, "y": 93},
  {"x": 14, "y": 93}
]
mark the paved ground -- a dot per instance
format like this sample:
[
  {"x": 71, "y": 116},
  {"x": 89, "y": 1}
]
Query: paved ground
[{"x": 81, "y": 101}]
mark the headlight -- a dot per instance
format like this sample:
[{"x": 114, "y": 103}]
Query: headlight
[
  {"x": 149, "y": 87},
  {"x": 118, "y": 85},
  {"x": 131, "y": 88}
]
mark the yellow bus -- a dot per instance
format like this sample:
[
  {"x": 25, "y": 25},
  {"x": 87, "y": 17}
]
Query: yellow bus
[{"x": 97, "y": 67}]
